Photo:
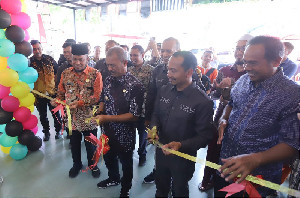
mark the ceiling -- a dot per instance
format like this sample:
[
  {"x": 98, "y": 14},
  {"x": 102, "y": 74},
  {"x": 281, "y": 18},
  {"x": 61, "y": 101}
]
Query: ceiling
[{"x": 82, "y": 4}]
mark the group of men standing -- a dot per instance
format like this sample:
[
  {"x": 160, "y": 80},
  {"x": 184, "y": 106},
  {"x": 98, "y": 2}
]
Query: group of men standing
[{"x": 257, "y": 120}]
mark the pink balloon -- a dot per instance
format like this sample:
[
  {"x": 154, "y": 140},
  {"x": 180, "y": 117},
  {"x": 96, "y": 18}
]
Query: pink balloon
[
  {"x": 30, "y": 123},
  {"x": 21, "y": 19},
  {"x": 4, "y": 91},
  {"x": 27, "y": 37},
  {"x": 10, "y": 103},
  {"x": 11, "y": 6},
  {"x": 22, "y": 114},
  {"x": 35, "y": 130}
]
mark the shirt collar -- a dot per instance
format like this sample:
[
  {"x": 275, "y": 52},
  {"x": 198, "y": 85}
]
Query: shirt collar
[
  {"x": 270, "y": 82},
  {"x": 86, "y": 70},
  {"x": 187, "y": 91}
]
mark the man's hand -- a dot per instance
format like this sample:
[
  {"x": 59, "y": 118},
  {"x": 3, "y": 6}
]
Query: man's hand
[
  {"x": 152, "y": 135},
  {"x": 73, "y": 105},
  {"x": 53, "y": 103},
  {"x": 226, "y": 82},
  {"x": 100, "y": 119},
  {"x": 222, "y": 126},
  {"x": 239, "y": 165},
  {"x": 172, "y": 145}
]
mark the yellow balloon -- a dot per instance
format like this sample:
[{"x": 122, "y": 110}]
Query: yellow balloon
[
  {"x": 31, "y": 108},
  {"x": 24, "y": 6},
  {"x": 27, "y": 101},
  {"x": 8, "y": 77},
  {"x": 5, "y": 149},
  {"x": 20, "y": 90},
  {"x": 3, "y": 62}
]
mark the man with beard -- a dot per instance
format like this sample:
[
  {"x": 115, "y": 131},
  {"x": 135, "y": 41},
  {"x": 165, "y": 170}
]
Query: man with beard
[
  {"x": 80, "y": 86},
  {"x": 143, "y": 73},
  {"x": 183, "y": 117},
  {"x": 226, "y": 78},
  {"x": 260, "y": 123}
]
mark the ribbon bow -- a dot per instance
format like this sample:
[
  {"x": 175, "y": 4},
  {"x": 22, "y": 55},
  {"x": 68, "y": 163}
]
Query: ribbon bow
[{"x": 102, "y": 147}]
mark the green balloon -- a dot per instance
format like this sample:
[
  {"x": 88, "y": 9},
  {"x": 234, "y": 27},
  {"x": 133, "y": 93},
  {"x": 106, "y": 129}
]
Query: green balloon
[
  {"x": 7, "y": 141},
  {"x": 2, "y": 128},
  {"x": 2, "y": 34},
  {"x": 18, "y": 151}
]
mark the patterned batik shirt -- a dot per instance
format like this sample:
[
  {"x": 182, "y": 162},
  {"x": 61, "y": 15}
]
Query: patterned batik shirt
[
  {"x": 84, "y": 87},
  {"x": 262, "y": 116},
  {"x": 122, "y": 95},
  {"x": 143, "y": 74},
  {"x": 46, "y": 69}
]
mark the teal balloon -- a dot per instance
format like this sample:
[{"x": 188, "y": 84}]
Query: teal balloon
[
  {"x": 2, "y": 128},
  {"x": 29, "y": 76},
  {"x": 18, "y": 151},
  {"x": 7, "y": 141},
  {"x": 31, "y": 85},
  {"x": 17, "y": 62},
  {"x": 7, "y": 48},
  {"x": 2, "y": 34}
]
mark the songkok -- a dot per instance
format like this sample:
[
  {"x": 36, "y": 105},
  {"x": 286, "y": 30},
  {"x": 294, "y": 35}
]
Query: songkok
[
  {"x": 246, "y": 37},
  {"x": 79, "y": 49}
]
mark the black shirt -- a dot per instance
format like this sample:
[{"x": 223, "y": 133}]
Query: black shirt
[
  {"x": 158, "y": 79},
  {"x": 60, "y": 70},
  {"x": 184, "y": 116},
  {"x": 102, "y": 68},
  {"x": 122, "y": 95}
]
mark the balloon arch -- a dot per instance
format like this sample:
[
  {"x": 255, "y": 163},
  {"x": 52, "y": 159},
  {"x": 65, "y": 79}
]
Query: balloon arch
[{"x": 17, "y": 123}]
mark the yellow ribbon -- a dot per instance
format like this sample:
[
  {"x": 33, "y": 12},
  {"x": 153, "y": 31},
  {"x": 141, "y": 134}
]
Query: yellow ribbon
[
  {"x": 60, "y": 102},
  {"x": 250, "y": 178}
]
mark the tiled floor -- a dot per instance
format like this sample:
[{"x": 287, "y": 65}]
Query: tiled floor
[{"x": 45, "y": 174}]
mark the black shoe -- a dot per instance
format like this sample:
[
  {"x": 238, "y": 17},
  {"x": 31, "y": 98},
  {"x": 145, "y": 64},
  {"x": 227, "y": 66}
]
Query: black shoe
[
  {"x": 57, "y": 136},
  {"x": 74, "y": 171},
  {"x": 142, "y": 160},
  {"x": 96, "y": 172},
  {"x": 46, "y": 137},
  {"x": 149, "y": 179},
  {"x": 107, "y": 183},
  {"x": 205, "y": 186},
  {"x": 124, "y": 193}
]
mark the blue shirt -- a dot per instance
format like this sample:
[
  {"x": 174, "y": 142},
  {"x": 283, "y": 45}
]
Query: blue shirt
[
  {"x": 262, "y": 116},
  {"x": 289, "y": 67}
]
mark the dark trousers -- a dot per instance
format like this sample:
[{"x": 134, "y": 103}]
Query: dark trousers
[
  {"x": 142, "y": 136},
  {"x": 111, "y": 162},
  {"x": 172, "y": 170},
  {"x": 213, "y": 155},
  {"x": 75, "y": 140},
  {"x": 221, "y": 183},
  {"x": 41, "y": 106}
]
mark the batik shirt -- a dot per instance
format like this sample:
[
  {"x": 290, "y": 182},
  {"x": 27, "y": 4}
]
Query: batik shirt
[
  {"x": 46, "y": 68},
  {"x": 122, "y": 95},
  {"x": 262, "y": 116},
  {"x": 143, "y": 74},
  {"x": 84, "y": 87}
]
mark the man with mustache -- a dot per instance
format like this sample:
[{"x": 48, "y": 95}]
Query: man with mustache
[
  {"x": 260, "y": 123},
  {"x": 183, "y": 117}
]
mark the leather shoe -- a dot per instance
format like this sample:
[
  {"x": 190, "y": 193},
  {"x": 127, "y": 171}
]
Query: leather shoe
[
  {"x": 96, "y": 172},
  {"x": 57, "y": 136},
  {"x": 46, "y": 137},
  {"x": 142, "y": 160},
  {"x": 205, "y": 186},
  {"x": 74, "y": 171}
]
